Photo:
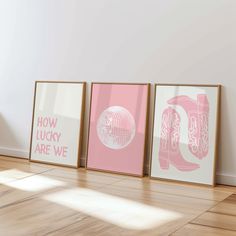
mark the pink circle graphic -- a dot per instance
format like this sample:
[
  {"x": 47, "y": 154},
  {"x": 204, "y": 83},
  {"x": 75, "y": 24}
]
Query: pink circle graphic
[{"x": 116, "y": 127}]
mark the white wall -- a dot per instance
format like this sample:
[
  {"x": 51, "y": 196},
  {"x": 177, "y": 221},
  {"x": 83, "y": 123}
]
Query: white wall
[{"x": 184, "y": 41}]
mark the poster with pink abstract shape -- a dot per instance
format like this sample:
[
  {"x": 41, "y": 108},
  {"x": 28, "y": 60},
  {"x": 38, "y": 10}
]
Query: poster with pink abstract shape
[
  {"x": 198, "y": 115},
  {"x": 118, "y": 128},
  {"x": 169, "y": 152}
]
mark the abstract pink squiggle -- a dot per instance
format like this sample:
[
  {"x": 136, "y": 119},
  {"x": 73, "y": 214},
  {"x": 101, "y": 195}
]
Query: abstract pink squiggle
[
  {"x": 198, "y": 116},
  {"x": 169, "y": 152}
]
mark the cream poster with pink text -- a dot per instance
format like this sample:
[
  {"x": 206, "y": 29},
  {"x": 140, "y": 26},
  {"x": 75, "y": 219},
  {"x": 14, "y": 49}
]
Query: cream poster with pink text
[{"x": 57, "y": 122}]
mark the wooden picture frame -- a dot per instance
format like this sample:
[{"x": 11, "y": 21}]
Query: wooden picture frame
[
  {"x": 120, "y": 152},
  {"x": 61, "y": 112},
  {"x": 170, "y": 106}
]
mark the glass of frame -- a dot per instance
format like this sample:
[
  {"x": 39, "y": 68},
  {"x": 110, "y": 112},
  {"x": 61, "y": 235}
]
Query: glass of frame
[
  {"x": 185, "y": 133},
  {"x": 117, "y": 129},
  {"x": 57, "y": 122}
]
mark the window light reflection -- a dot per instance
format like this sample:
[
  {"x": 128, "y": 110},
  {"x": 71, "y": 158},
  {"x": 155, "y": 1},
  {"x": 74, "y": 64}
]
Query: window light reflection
[
  {"x": 115, "y": 210},
  {"x": 12, "y": 174},
  {"x": 35, "y": 183}
]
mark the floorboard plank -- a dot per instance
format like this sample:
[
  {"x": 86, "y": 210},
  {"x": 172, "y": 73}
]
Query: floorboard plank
[
  {"x": 38, "y": 199},
  {"x": 176, "y": 188},
  {"x": 228, "y": 206},
  {"x": 199, "y": 230},
  {"x": 216, "y": 220}
]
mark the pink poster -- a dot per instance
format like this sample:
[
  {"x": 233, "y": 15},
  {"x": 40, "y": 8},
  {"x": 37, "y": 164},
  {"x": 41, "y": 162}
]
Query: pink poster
[{"x": 117, "y": 130}]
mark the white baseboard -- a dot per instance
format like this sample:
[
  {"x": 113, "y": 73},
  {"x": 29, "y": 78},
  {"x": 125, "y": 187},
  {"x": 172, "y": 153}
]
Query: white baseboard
[
  {"x": 226, "y": 179},
  {"x": 4, "y": 151},
  {"x": 221, "y": 178}
]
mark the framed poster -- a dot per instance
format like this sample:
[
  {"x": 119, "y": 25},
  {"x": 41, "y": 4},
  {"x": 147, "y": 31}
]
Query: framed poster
[
  {"x": 57, "y": 123},
  {"x": 185, "y": 133},
  {"x": 117, "y": 128}
]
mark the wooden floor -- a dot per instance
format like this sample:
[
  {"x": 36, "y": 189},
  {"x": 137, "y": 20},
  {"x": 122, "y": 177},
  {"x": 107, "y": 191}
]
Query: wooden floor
[{"x": 37, "y": 199}]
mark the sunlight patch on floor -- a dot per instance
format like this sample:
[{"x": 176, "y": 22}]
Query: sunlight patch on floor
[
  {"x": 35, "y": 183},
  {"x": 12, "y": 174},
  {"x": 115, "y": 210}
]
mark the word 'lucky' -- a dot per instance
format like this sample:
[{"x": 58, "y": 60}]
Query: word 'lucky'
[{"x": 45, "y": 135}]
